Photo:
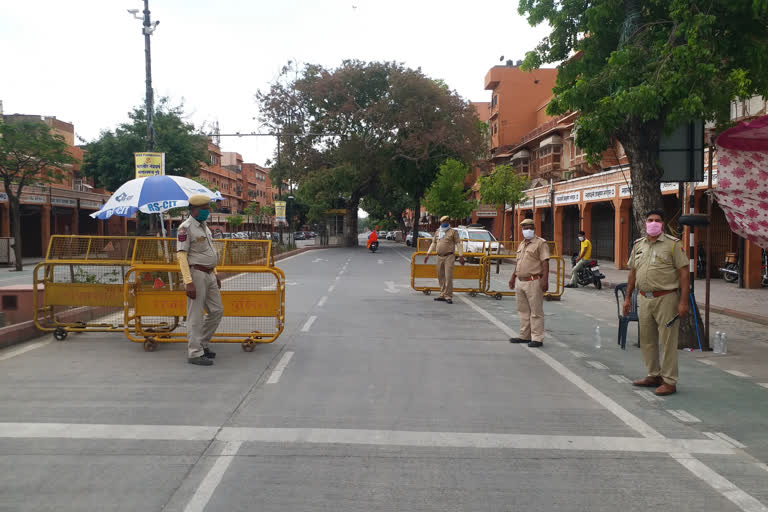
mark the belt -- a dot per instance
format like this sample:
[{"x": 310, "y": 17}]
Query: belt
[
  {"x": 203, "y": 268},
  {"x": 529, "y": 278},
  {"x": 659, "y": 293},
  {"x": 446, "y": 254}
]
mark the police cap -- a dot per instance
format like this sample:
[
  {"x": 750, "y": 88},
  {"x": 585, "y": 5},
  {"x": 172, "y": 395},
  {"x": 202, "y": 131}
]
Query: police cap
[{"x": 199, "y": 200}]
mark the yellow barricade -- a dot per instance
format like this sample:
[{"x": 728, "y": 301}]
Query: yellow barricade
[
  {"x": 498, "y": 287},
  {"x": 253, "y": 298},
  {"x": 424, "y": 275}
]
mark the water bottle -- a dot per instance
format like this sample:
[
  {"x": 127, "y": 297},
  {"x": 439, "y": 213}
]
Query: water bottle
[
  {"x": 717, "y": 343},
  {"x": 723, "y": 343},
  {"x": 598, "y": 339}
]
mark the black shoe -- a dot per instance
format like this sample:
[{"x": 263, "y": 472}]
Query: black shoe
[
  {"x": 210, "y": 354},
  {"x": 518, "y": 340},
  {"x": 200, "y": 360},
  {"x": 440, "y": 299},
  {"x": 535, "y": 344},
  {"x": 569, "y": 285},
  {"x": 449, "y": 301}
]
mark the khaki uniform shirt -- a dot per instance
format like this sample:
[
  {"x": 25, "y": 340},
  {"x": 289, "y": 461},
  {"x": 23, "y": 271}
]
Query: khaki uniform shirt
[
  {"x": 657, "y": 264},
  {"x": 195, "y": 239},
  {"x": 531, "y": 255},
  {"x": 450, "y": 242}
]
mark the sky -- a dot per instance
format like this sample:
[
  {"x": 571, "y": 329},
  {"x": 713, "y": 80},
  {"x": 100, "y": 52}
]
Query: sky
[{"x": 82, "y": 61}]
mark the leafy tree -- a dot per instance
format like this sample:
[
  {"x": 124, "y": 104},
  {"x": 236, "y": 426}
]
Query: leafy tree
[
  {"x": 447, "y": 195},
  {"x": 235, "y": 221},
  {"x": 647, "y": 66},
  {"x": 30, "y": 154},
  {"x": 501, "y": 187},
  {"x": 109, "y": 159}
]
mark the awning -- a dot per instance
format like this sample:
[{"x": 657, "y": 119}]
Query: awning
[
  {"x": 523, "y": 153},
  {"x": 551, "y": 141}
]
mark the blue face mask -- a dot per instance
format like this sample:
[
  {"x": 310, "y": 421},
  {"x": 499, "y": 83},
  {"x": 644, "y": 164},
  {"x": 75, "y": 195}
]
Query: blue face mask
[
  {"x": 444, "y": 225},
  {"x": 202, "y": 215}
]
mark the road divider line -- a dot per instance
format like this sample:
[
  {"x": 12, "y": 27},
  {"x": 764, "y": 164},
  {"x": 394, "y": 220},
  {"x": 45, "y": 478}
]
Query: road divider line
[
  {"x": 762, "y": 465},
  {"x": 709, "y": 362},
  {"x": 207, "y": 487},
  {"x": 763, "y": 384},
  {"x": 620, "y": 379},
  {"x": 597, "y": 365},
  {"x": 683, "y": 416},
  {"x": 737, "y": 373},
  {"x": 331, "y": 288},
  {"x": 648, "y": 396},
  {"x": 309, "y": 323},
  {"x": 576, "y": 353},
  {"x": 724, "y": 438},
  {"x": 280, "y": 368},
  {"x": 321, "y": 303},
  {"x": 17, "y": 351}
]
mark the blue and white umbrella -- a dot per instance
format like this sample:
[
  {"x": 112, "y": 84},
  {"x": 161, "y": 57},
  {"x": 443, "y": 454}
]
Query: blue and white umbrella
[{"x": 155, "y": 194}]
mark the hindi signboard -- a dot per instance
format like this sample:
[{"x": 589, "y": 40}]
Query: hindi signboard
[
  {"x": 600, "y": 193},
  {"x": 280, "y": 212},
  {"x": 149, "y": 164}
]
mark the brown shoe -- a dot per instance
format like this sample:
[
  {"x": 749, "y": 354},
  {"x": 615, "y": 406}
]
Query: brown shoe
[
  {"x": 666, "y": 389},
  {"x": 649, "y": 382}
]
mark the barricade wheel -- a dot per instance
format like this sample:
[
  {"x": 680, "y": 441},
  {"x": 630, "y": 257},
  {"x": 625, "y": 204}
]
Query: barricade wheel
[
  {"x": 427, "y": 292},
  {"x": 473, "y": 294},
  {"x": 498, "y": 296},
  {"x": 150, "y": 345},
  {"x": 249, "y": 345},
  {"x": 255, "y": 337},
  {"x": 60, "y": 334}
]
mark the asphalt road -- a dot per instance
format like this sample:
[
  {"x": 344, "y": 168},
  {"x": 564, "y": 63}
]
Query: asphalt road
[{"x": 378, "y": 398}]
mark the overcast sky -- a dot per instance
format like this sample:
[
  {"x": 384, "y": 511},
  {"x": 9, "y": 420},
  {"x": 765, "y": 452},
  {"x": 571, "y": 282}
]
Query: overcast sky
[{"x": 83, "y": 60}]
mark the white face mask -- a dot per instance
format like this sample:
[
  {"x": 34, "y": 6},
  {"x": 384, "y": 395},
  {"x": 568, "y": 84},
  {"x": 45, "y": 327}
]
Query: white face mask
[
  {"x": 581, "y": 239},
  {"x": 528, "y": 233}
]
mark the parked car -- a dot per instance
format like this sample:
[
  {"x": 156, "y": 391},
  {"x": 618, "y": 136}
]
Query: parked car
[
  {"x": 390, "y": 235},
  {"x": 478, "y": 240},
  {"x": 299, "y": 235},
  {"x": 409, "y": 239}
]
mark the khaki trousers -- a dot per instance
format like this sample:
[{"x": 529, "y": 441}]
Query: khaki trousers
[
  {"x": 575, "y": 271},
  {"x": 202, "y": 327},
  {"x": 657, "y": 340},
  {"x": 445, "y": 275},
  {"x": 530, "y": 307}
]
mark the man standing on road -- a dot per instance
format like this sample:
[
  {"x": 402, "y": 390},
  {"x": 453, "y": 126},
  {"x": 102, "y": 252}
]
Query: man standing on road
[
  {"x": 532, "y": 277},
  {"x": 446, "y": 241},
  {"x": 585, "y": 252},
  {"x": 197, "y": 261},
  {"x": 659, "y": 268}
]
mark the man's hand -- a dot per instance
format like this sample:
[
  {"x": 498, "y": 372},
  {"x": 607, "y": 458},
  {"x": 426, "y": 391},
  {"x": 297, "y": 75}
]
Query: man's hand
[
  {"x": 191, "y": 292},
  {"x": 544, "y": 284},
  {"x": 512, "y": 282},
  {"x": 626, "y": 306},
  {"x": 682, "y": 308},
  {"x": 218, "y": 282},
  {"x": 426, "y": 258},
  {"x": 461, "y": 260}
]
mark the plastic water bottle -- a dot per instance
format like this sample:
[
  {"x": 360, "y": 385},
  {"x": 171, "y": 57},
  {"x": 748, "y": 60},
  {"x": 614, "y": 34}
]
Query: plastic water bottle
[
  {"x": 717, "y": 343},
  {"x": 598, "y": 339},
  {"x": 723, "y": 343}
]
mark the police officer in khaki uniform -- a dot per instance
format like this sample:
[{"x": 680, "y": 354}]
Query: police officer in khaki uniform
[
  {"x": 197, "y": 259},
  {"x": 659, "y": 269},
  {"x": 532, "y": 277},
  {"x": 446, "y": 242}
]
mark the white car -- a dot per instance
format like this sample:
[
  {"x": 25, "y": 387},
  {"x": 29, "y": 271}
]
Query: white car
[{"x": 477, "y": 240}]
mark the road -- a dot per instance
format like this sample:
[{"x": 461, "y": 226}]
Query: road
[{"x": 378, "y": 398}]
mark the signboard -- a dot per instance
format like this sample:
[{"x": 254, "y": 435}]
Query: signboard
[
  {"x": 600, "y": 193},
  {"x": 34, "y": 199},
  {"x": 280, "y": 212},
  {"x": 3, "y": 197},
  {"x": 149, "y": 164},
  {"x": 667, "y": 187},
  {"x": 543, "y": 201},
  {"x": 91, "y": 205},
  {"x": 573, "y": 196},
  {"x": 681, "y": 153},
  {"x": 485, "y": 213},
  {"x": 625, "y": 191},
  {"x": 528, "y": 203},
  {"x": 64, "y": 201},
  {"x": 336, "y": 211}
]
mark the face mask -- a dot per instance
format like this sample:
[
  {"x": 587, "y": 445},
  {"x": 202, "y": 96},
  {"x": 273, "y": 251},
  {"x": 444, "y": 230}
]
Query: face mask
[
  {"x": 581, "y": 239},
  {"x": 444, "y": 225},
  {"x": 528, "y": 233},
  {"x": 202, "y": 215},
  {"x": 653, "y": 228}
]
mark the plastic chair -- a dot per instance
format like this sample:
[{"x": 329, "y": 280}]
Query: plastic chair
[{"x": 631, "y": 316}]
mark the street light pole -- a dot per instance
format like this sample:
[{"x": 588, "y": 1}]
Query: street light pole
[{"x": 147, "y": 31}]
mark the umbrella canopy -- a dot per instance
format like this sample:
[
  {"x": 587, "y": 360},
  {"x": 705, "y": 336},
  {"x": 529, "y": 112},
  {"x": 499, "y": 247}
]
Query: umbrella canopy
[{"x": 154, "y": 194}]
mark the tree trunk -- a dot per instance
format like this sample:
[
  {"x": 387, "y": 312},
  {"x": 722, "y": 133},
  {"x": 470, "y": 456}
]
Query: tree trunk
[
  {"x": 641, "y": 143},
  {"x": 13, "y": 203},
  {"x": 416, "y": 219},
  {"x": 350, "y": 222}
]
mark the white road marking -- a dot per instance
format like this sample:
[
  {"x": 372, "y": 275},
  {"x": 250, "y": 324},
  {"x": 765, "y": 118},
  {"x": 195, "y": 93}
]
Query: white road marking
[
  {"x": 620, "y": 379},
  {"x": 576, "y": 353},
  {"x": 280, "y": 368},
  {"x": 738, "y": 497},
  {"x": 309, "y": 323},
  {"x": 762, "y": 465},
  {"x": 764, "y": 384},
  {"x": 100, "y": 431},
  {"x": 724, "y": 438},
  {"x": 597, "y": 365},
  {"x": 737, "y": 373},
  {"x": 710, "y": 362},
  {"x": 318, "y": 260},
  {"x": 683, "y": 416},
  {"x": 212, "y": 480},
  {"x": 647, "y": 395},
  {"x": 380, "y": 262},
  {"x": 338, "y": 277},
  {"x": 330, "y": 288},
  {"x": 560, "y": 344},
  {"x": 391, "y": 288},
  {"x": 321, "y": 303},
  {"x": 17, "y": 351}
]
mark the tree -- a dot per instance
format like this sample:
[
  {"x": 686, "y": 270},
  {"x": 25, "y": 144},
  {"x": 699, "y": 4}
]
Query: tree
[
  {"x": 235, "y": 221},
  {"x": 447, "y": 194},
  {"x": 250, "y": 210},
  {"x": 501, "y": 187},
  {"x": 29, "y": 155},
  {"x": 647, "y": 66},
  {"x": 109, "y": 159}
]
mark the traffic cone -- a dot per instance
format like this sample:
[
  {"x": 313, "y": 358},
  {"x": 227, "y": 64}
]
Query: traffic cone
[{"x": 158, "y": 283}]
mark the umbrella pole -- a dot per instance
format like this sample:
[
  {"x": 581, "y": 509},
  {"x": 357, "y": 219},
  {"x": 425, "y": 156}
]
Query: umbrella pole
[{"x": 166, "y": 250}]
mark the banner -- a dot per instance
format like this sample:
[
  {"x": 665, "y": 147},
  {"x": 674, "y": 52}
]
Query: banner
[
  {"x": 149, "y": 164},
  {"x": 280, "y": 212}
]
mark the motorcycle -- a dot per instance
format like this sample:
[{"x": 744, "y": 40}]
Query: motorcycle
[
  {"x": 374, "y": 246},
  {"x": 730, "y": 270},
  {"x": 589, "y": 273}
]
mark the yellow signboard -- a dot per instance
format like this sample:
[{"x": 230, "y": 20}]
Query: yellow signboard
[
  {"x": 149, "y": 164},
  {"x": 280, "y": 212}
]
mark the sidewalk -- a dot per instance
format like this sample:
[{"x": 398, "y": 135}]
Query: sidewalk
[{"x": 725, "y": 298}]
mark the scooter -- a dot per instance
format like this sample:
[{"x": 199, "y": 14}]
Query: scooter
[{"x": 589, "y": 273}]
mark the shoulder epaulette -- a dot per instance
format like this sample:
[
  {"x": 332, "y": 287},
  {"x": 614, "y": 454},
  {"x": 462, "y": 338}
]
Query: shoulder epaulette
[
  {"x": 671, "y": 237},
  {"x": 641, "y": 238}
]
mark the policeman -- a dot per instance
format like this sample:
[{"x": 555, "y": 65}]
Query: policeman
[
  {"x": 197, "y": 261},
  {"x": 532, "y": 277},
  {"x": 659, "y": 269},
  {"x": 585, "y": 252},
  {"x": 445, "y": 242}
]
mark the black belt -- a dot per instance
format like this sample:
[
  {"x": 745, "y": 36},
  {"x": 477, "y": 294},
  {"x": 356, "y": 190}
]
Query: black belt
[
  {"x": 203, "y": 268},
  {"x": 444, "y": 255}
]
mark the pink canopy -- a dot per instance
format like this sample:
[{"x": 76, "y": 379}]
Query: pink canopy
[{"x": 742, "y": 187}]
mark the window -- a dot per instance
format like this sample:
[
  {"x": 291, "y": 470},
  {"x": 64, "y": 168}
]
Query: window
[{"x": 495, "y": 128}]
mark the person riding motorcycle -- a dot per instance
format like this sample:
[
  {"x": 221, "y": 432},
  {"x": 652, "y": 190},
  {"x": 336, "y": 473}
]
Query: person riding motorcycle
[
  {"x": 372, "y": 238},
  {"x": 584, "y": 255}
]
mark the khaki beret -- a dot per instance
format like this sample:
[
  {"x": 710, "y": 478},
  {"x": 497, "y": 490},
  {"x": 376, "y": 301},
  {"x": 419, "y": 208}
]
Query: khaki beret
[
  {"x": 199, "y": 200},
  {"x": 444, "y": 218},
  {"x": 527, "y": 222}
]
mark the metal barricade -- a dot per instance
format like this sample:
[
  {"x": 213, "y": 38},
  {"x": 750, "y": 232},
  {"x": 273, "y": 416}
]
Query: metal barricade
[
  {"x": 498, "y": 287},
  {"x": 253, "y": 298},
  {"x": 471, "y": 275}
]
